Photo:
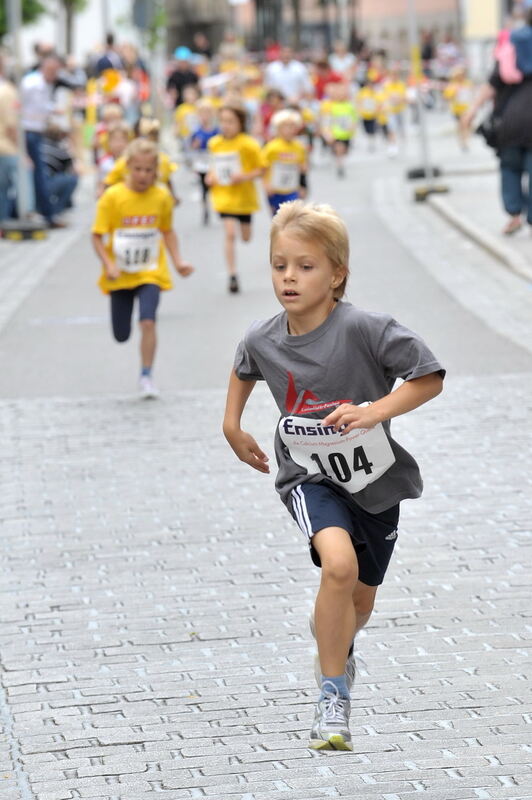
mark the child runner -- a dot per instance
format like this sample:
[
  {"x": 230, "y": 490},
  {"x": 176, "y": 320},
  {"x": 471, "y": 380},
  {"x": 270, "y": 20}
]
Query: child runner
[
  {"x": 199, "y": 145},
  {"x": 342, "y": 121},
  {"x": 331, "y": 368},
  {"x": 118, "y": 138},
  {"x": 237, "y": 162},
  {"x": 458, "y": 93},
  {"x": 149, "y": 129},
  {"x": 368, "y": 106},
  {"x": 134, "y": 216},
  {"x": 186, "y": 120},
  {"x": 285, "y": 161}
]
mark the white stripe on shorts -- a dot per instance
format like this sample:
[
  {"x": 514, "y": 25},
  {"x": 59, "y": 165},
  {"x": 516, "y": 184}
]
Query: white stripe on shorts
[{"x": 301, "y": 511}]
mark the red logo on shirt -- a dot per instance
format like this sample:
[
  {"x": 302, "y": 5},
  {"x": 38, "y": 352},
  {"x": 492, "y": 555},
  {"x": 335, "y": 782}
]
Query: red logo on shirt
[
  {"x": 306, "y": 401},
  {"x": 147, "y": 219}
]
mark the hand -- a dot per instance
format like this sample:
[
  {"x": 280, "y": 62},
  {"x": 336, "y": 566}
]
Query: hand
[
  {"x": 238, "y": 177},
  {"x": 184, "y": 269},
  {"x": 112, "y": 271},
  {"x": 210, "y": 179},
  {"x": 177, "y": 201},
  {"x": 352, "y": 417},
  {"x": 248, "y": 451}
]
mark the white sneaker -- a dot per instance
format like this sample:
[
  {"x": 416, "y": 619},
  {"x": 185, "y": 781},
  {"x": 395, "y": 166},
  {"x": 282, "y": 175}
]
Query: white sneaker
[{"x": 147, "y": 387}]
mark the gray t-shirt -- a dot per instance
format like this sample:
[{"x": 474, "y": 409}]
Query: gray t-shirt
[{"x": 354, "y": 357}]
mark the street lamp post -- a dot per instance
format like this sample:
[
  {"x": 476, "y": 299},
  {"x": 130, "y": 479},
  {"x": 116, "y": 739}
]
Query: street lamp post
[{"x": 427, "y": 170}]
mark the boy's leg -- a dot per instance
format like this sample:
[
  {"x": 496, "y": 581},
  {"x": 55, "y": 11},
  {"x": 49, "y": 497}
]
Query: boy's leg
[
  {"x": 335, "y": 611},
  {"x": 121, "y": 311},
  {"x": 363, "y": 601},
  {"x": 230, "y": 244}
]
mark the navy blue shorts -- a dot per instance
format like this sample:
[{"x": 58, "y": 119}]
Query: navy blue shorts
[
  {"x": 275, "y": 200},
  {"x": 315, "y": 506},
  {"x": 122, "y": 307}
]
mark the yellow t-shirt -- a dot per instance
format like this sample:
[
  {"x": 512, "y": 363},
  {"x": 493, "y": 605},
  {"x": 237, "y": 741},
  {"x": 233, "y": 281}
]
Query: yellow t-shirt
[
  {"x": 284, "y": 162},
  {"x": 383, "y": 107},
  {"x": 186, "y": 119},
  {"x": 458, "y": 93},
  {"x": 231, "y": 156},
  {"x": 133, "y": 222},
  {"x": 367, "y": 102},
  {"x": 119, "y": 172},
  {"x": 396, "y": 91}
]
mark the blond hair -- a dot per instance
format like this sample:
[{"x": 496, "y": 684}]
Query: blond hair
[
  {"x": 320, "y": 224},
  {"x": 286, "y": 115},
  {"x": 141, "y": 147},
  {"x": 111, "y": 111},
  {"x": 119, "y": 127},
  {"x": 149, "y": 127}
]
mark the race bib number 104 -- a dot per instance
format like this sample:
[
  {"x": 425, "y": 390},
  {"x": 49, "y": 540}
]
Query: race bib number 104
[{"x": 352, "y": 461}]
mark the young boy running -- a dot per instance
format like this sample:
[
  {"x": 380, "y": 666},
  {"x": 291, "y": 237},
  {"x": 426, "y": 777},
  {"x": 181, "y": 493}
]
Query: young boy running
[
  {"x": 135, "y": 216},
  {"x": 285, "y": 161},
  {"x": 331, "y": 368}
]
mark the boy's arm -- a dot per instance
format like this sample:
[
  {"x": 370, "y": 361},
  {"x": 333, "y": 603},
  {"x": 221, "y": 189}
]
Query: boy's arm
[
  {"x": 111, "y": 270},
  {"x": 244, "y": 445},
  {"x": 409, "y": 395},
  {"x": 172, "y": 245}
]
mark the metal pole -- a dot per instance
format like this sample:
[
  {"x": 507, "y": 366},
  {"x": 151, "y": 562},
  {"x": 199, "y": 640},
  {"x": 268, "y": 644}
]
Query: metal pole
[
  {"x": 415, "y": 58},
  {"x": 344, "y": 21},
  {"x": 14, "y": 26}
]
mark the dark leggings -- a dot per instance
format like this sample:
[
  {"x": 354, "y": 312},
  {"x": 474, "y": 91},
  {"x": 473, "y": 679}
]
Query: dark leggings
[
  {"x": 122, "y": 308},
  {"x": 204, "y": 187}
]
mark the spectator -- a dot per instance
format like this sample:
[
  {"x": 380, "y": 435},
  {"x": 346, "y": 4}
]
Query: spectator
[
  {"x": 37, "y": 104},
  {"x": 8, "y": 144},
  {"x": 323, "y": 76},
  {"x": 341, "y": 61},
  {"x": 59, "y": 167},
  {"x": 202, "y": 46},
  {"x": 183, "y": 75},
  {"x": 111, "y": 59},
  {"x": 288, "y": 76},
  {"x": 509, "y": 131}
]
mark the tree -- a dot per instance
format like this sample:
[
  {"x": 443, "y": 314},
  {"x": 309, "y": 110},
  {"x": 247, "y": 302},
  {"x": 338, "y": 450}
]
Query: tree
[
  {"x": 71, "y": 7},
  {"x": 31, "y": 9}
]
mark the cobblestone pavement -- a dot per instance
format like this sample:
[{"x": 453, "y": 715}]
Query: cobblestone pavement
[{"x": 155, "y": 599}]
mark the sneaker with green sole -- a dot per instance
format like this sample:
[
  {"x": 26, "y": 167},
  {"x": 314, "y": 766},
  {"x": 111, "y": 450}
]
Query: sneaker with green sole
[{"x": 330, "y": 729}]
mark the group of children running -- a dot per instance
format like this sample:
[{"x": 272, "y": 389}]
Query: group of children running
[{"x": 330, "y": 366}]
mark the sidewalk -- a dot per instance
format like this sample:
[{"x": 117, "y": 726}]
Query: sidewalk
[{"x": 474, "y": 206}]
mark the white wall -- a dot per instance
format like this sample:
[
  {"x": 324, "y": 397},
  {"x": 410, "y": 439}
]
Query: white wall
[{"x": 89, "y": 31}]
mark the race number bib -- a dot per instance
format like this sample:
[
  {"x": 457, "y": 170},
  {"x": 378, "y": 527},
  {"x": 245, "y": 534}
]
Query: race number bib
[
  {"x": 352, "y": 461},
  {"x": 285, "y": 177},
  {"x": 225, "y": 166},
  {"x": 369, "y": 105},
  {"x": 136, "y": 249},
  {"x": 344, "y": 123}
]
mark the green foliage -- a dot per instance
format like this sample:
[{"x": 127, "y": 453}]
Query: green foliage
[
  {"x": 74, "y": 5},
  {"x": 158, "y": 23},
  {"x": 31, "y": 10}
]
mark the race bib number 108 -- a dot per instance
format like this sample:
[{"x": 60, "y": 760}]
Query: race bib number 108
[{"x": 352, "y": 461}]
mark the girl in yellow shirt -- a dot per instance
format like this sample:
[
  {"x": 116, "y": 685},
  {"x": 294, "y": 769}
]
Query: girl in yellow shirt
[
  {"x": 236, "y": 163},
  {"x": 135, "y": 216},
  {"x": 147, "y": 129}
]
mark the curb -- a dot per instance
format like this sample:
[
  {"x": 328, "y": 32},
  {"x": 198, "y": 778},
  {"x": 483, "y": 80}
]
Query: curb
[{"x": 508, "y": 257}]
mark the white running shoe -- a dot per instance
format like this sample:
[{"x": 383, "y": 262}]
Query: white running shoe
[
  {"x": 147, "y": 388},
  {"x": 350, "y": 664}
]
